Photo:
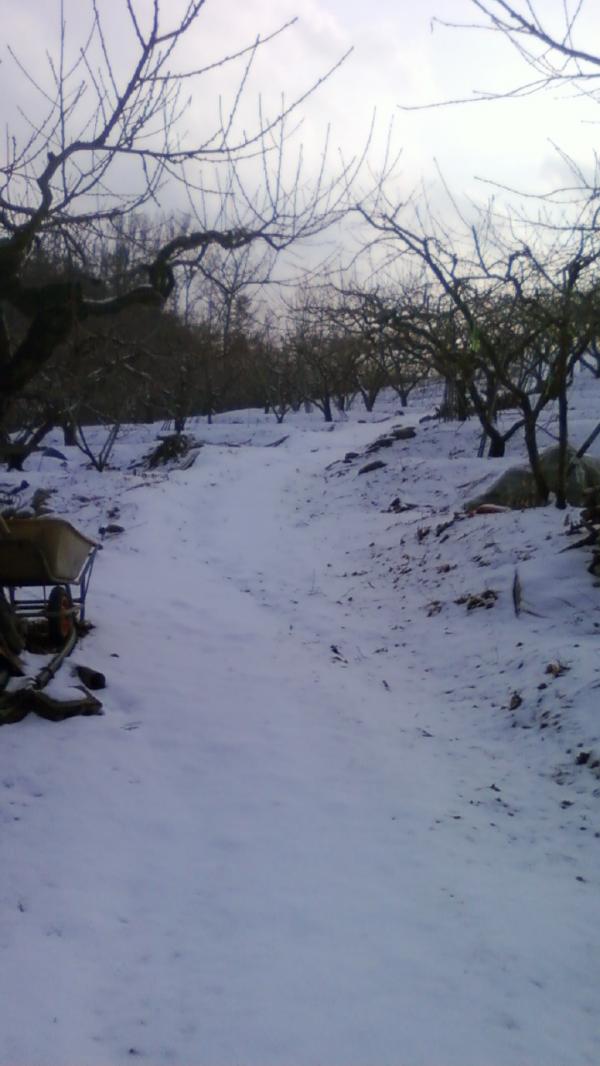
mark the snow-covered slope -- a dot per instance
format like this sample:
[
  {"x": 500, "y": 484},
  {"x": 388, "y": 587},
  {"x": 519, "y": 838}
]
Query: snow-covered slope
[{"x": 330, "y": 815}]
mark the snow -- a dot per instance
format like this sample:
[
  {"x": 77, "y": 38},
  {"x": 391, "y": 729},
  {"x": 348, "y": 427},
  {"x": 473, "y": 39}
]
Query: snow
[{"x": 309, "y": 828}]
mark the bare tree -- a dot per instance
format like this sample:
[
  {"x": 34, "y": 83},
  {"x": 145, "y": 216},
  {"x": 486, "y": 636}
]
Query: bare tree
[
  {"x": 100, "y": 129},
  {"x": 220, "y": 296},
  {"x": 325, "y": 353},
  {"x": 508, "y": 306},
  {"x": 379, "y": 318},
  {"x": 278, "y": 376},
  {"x": 558, "y": 51}
]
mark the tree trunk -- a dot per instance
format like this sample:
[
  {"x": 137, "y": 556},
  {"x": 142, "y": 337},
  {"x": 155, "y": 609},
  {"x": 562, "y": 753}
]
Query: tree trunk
[
  {"x": 534, "y": 456},
  {"x": 497, "y": 446},
  {"x": 485, "y": 415},
  {"x": 563, "y": 443},
  {"x": 49, "y": 327},
  {"x": 454, "y": 405},
  {"x": 69, "y": 434}
]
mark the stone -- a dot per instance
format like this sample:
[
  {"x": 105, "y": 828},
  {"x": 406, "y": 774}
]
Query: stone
[
  {"x": 92, "y": 679},
  {"x": 516, "y": 488},
  {"x": 377, "y": 465},
  {"x": 381, "y": 442}
]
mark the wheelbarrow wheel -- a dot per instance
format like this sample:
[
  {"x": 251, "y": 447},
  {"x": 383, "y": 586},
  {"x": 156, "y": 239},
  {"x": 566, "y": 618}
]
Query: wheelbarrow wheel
[{"x": 60, "y": 614}]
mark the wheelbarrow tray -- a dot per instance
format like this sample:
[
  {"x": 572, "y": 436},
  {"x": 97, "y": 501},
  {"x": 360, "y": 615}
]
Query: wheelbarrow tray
[{"x": 43, "y": 551}]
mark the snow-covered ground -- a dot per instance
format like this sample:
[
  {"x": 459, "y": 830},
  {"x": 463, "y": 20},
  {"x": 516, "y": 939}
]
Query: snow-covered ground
[{"x": 330, "y": 815}]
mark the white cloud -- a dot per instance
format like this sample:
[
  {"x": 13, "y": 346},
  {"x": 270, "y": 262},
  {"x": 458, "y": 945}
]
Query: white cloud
[{"x": 396, "y": 60}]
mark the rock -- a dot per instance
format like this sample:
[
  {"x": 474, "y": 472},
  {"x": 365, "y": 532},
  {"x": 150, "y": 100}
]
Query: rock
[
  {"x": 381, "y": 442},
  {"x": 397, "y": 507},
  {"x": 111, "y": 529},
  {"x": 376, "y": 465},
  {"x": 349, "y": 456},
  {"x": 487, "y": 599},
  {"x": 516, "y": 488},
  {"x": 404, "y": 432},
  {"x": 92, "y": 679}
]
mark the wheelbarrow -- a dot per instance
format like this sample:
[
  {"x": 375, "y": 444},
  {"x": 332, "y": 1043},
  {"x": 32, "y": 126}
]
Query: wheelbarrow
[{"x": 50, "y": 555}]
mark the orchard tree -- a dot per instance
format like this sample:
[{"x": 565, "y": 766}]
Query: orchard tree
[
  {"x": 220, "y": 295},
  {"x": 379, "y": 318},
  {"x": 325, "y": 354},
  {"x": 559, "y": 53},
  {"x": 104, "y": 139},
  {"x": 513, "y": 302},
  {"x": 278, "y": 376}
]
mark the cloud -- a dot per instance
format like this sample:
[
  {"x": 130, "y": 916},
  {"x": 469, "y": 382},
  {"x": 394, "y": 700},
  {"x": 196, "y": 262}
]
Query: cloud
[{"x": 396, "y": 60}]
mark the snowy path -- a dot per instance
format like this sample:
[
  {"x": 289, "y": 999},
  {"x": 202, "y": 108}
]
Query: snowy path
[{"x": 260, "y": 855}]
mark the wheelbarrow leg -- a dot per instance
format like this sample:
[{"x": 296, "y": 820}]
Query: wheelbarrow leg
[{"x": 61, "y": 621}]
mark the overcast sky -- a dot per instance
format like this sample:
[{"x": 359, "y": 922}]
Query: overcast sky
[{"x": 397, "y": 60}]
